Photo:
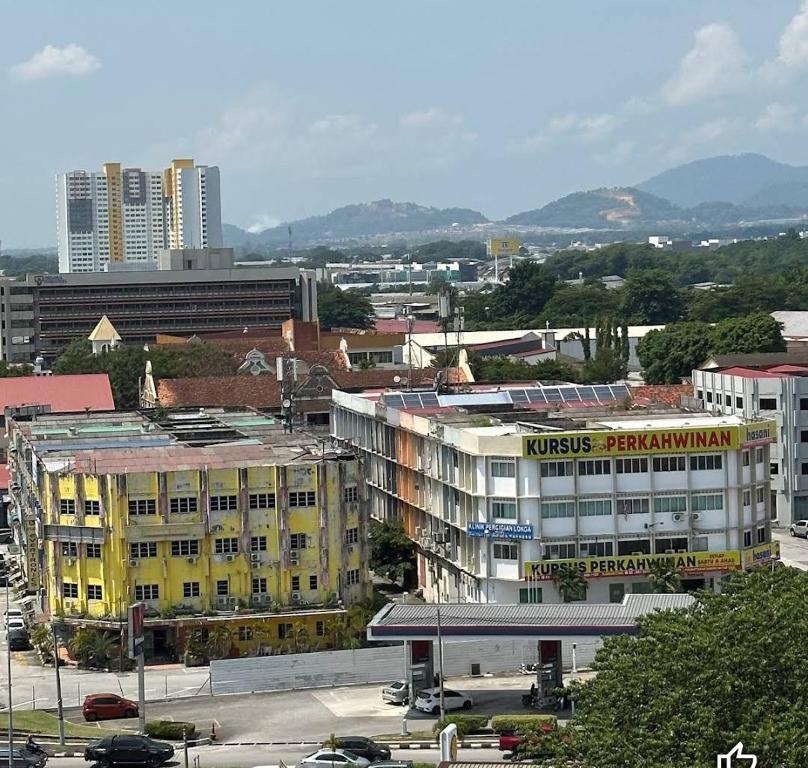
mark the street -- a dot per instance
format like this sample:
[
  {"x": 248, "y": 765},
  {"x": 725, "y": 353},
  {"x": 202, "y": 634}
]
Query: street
[{"x": 793, "y": 551}]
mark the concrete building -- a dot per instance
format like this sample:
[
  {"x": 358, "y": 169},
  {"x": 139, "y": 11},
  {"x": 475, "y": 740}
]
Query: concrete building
[
  {"x": 500, "y": 495},
  {"x": 125, "y": 215},
  {"x": 220, "y": 513}
]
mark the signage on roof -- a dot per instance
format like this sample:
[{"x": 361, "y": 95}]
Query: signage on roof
[{"x": 606, "y": 443}]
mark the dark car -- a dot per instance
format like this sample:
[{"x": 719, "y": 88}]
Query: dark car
[
  {"x": 18, "y": 640},
  {"x": 108, "y": 706},
  {"x": 128, "y": 750},
  {"x": 364, "y": 747},
  {"x": 24, "y": 758}
]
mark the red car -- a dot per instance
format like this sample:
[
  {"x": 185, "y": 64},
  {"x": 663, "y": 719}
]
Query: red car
[{"x": 108, "y": 706}]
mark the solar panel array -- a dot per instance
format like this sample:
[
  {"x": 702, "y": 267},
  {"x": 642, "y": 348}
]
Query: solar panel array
[{"x": 549, "y": 395}]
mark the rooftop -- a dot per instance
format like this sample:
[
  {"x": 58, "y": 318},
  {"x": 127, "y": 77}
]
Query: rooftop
[{"x": 73, "y": 392}]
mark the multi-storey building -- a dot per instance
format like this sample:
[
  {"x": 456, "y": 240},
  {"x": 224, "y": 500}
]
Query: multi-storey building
[
  {"x": 500, "y": 489},
  {"x": 195, "y": 513},
  {"x": 125, "y": 215}
]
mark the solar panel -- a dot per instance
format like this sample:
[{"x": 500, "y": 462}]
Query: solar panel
[
  {"x": 552, "y": 394},
  {"x": 620, "y": 391},
  {"x": 411, "y": 401},
  {"x": 394, "y": 401},
  {"x": 603, "y": 393},
  {"x": 536, "y": 396},
  {"x": 429, "y": 400},
  {"x": 570, "y": 394},
  {"x": 586, "y": 393},
  {"x": 518, "y": 395}
]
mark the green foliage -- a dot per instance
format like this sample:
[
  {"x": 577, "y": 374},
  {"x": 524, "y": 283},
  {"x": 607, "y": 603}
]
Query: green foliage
[
  {"x": 31, "y": 263},
  {"x": 466, "y": 724},
  {"x": 173, "y": 730},
  {"x": 343, "y": 309},
  {"x": 9, "y": 371},
  {"x": 521, "y": 723},
  {"x": 759, "y": 332},
  {"x": 693, "y": 682},
  {"x": 669, "y": 355},
  {"x": 392, "y": 552},
  {"x": 664, "y": 577},
  {"x": 571, "y": 584},
  {"x": 572, "y": 306},
  {"x": 651, "y": 298},
  {"x": 93, "y": 647},
  {"x": 505, "y": 369}
]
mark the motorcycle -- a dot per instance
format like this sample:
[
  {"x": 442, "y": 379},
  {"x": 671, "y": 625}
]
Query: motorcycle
[{"x": 528, "y": 669}]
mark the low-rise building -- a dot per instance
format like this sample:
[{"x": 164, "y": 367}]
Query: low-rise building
[
  {"x": 500, "y": 489},
  {"x": 205, "y": 515}
]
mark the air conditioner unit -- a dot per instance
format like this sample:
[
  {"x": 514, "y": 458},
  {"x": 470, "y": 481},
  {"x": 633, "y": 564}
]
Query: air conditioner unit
[
  {"x": 637, "y": 554},
  {"x": 256, "y": 600},
  {"x": 223, "y": 602},
  {"x": 677, "y": 517},
  {"x": 192, "y": 559},
  {"x": 670, "y": 551},
  {"x": 230, "y": 558},
  {"x": 255, "y": 557},
  {"x": 294, "y": 559},
  {"x": 133, "y": 563},
  {"x": 232, "y": 600},
  {"x": 255, "y": 565},
  {"x": 696, "y": 516},
  {"x": 296, "y": 597}
]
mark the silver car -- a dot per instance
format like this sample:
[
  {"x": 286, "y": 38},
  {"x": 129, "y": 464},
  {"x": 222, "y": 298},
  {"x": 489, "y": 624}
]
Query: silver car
[
  {"x": 397, "y": 692},
  {"x": 800, "y": 528}
]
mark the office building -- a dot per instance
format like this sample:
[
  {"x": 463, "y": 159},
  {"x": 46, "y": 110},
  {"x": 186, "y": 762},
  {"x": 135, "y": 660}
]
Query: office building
[
  {"x": 125, "y": 215},
  {"x": 220, "y": 513},
  {"x": 501, "y": 489}
]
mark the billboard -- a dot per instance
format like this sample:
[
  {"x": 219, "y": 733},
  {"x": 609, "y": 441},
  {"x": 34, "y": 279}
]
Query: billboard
[
  {"x": 502, "y": 247},
  {"x": 135, "y": 629},
  {"x": 634, "y": 565},
  {"x": 762, "y": 553}
]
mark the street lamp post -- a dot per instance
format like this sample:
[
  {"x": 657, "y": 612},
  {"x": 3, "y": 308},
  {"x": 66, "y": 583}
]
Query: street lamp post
[
  {"x": 440, "y": 668},
  {"x": 10, "y": 705},
  {"x": 59, "y": 708}
]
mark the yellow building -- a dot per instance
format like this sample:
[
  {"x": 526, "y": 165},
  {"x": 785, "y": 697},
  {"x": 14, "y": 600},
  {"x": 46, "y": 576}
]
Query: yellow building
[{"x": 216, "y": 514}]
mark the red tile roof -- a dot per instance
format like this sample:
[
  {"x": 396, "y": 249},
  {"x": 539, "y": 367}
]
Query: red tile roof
[
  {"x": 669, "y": 394},
  {"x": 400, "y": 326},
  {"x": 71, "y": 392},
  {"x": 4, "y": 477},
  {"x": 752, "y": 373}
]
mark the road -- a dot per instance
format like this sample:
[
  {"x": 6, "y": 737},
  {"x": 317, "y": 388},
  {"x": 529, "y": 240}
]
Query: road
[{"x": 793, "y": 551}]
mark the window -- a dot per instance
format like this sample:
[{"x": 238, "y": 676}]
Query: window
[
  {"x": 597, "y": 549},
  {"x": 504, "y": 509},
  {"x": 295, "y": 583},
  {"x": 745, "y": 455},
  {"x": 352, "y": 536},
  {"x": 671, "y": 545},
  {"x": 95, "y": 592},
  {"x": 190, "y": 589},
  {"x": 804, "y": 403},
  {"x": 774, "y": 468},
  {"x": 222, "y": 588},
  {"x": 556, "y": 469},
  {"x": 259, "y": 585},
  {"x": 760, "y": 494},
  {"x": 633, "y": 546},
  {"x": 142, "y": 507},
  {"x": 804, "y": 468},
  {"x": 664, "y": 504},
  {"x": 747, "y": 498},
  {"x": 262, "y": 501},
  {"x": 629, "y": 466},
  {"x": 706, "y": 502},
  {"x": 147, "y": 592},
  {"x": 70, "y": 549},
  {"x": 227, "y": 546},
  {"x": 92, "y": 507},
  {"x": 709, "y": 397},
  {"x": 595, "y": 507},
  {"x": 758, "y": 455},
  {"x": 220, "y": 504},
  {"x": 185, "y": 547},
  {"x": 182, "y": 505},
  {"x": 747, "y": 538},
  {"x": 641, "y": 588},
  {"x": 616, "y": 593},
  {"x": 284, "y": 631},
  {"x": 352, "y": 576},
  {"x": 594, "y": 467},
  {"x": 739, "y": 402},
  {"x": 551, "y": 510},
  {"x": 503, "y": 468},
  {"x": 298, "y": 499},
  {"x": 350, "y": 493},
  {"x": 668, "y": 463},
  {"x": 706, "y": 462},
  {"x": 70, "y": 590},
  {"x": 768, "y": 404},
  {"x": 804, "y": 435},
  {"x": 93, "y": 551},
  {"x": 634, "y": 506},
  {"x": 245, "y": 633},
  {"x": 313, "y": 581},
  {"x": 319, "y": 629},
  {"x": 67, "y": 507},
  {"x": 143, "y": 549},
  {"x": 297, "y": 540},
  {"x": 530, "y": 595},
  {"x": 506, "y": 551},
  {"x": 559, "y": 551},
  {"x": 258, "y": 544},
  {"x": 761, "y": 535}
]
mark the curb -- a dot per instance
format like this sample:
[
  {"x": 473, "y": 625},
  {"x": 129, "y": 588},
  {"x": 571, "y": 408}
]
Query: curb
[{"x": 433, "y": 745}]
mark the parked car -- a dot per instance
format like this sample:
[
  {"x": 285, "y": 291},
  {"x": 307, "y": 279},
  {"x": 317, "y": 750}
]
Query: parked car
[
  {"x": 428, "y": 700},
  {"x": 24, "y": 758},
  {"x": 13, "y": 613},
  {"x": 328, "y": 758},
  {"x": 364, "y": 747},
  {"x": 128, "y": 750},
  {"x": 800, "y": 528},
  {"x": 13, "y": 623},
  {"x": 397, "y": 692},
  {"x": 18, "y": 640},
  {"x": 108, "y": 706}
]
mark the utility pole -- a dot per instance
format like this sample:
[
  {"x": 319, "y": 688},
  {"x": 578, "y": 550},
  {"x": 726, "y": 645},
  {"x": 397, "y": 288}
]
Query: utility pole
[
  {"x": 440, "y": 668},
  {"x": 59, "y": 709},
  {"x": 10, "y": 703}
]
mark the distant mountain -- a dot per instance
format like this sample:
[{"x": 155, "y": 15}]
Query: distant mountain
[
  {"x": 616, "y": 208},
  {"x": 747, "y": 179},
  {"x": 381, "y": 217}
]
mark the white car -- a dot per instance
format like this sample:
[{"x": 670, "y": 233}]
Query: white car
[
  {"x": 13, "y": 613},
  {"x": 800, "y": 528},
  {"x": 14, "y": 622},
  {"x": 328, "y": 758},
  {"x": 428, "y": 700}
]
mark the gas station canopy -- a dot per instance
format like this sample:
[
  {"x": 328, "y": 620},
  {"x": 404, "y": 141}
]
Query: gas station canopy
[{"x": 465, "y": 620}]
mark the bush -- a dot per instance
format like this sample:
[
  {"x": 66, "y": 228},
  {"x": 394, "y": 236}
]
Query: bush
[
  {"x": 520, "y": 723},
  {"x": 167, "y": 729},
  {"x": 465, "y": 723}
]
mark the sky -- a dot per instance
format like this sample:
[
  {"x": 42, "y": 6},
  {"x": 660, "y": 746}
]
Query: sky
[{"x": 307, "y": 105}]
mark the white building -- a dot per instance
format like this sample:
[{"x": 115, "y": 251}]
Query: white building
[
  {"x": 122, "y": 216},
  {"x": 498, "y": 500}
]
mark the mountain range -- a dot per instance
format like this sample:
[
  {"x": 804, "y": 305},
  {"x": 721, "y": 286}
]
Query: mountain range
[{"x": 714, "y": 193}]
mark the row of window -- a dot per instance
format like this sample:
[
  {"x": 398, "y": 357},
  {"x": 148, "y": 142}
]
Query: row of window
[{"x": 699, "y": 502}]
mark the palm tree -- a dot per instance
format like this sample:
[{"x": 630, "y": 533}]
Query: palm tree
[
  {"x": 336, "y": 632},
  {"x": 664, "y": 577},
  {"x": 570, "y": 583},
  {"x": 299, "y": 639},
  {"x": 219, "y": 642}
]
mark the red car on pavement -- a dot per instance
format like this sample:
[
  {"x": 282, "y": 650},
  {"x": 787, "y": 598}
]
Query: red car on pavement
[{"x": 108, "y": 706}]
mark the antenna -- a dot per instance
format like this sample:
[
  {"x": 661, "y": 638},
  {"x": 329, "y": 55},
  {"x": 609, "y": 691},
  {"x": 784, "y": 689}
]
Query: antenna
[{"x": 289, "y": 232}]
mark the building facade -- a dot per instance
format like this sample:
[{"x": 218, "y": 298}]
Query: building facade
[
  {"x": 198, "y": 514},
  {"x": 125, "y": 215},
  {"x": 499, "y": 499}
]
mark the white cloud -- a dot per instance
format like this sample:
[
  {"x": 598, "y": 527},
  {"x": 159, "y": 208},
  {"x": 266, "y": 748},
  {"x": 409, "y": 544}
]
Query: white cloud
[
  {"x": 261, "y": 222},
  {"x": 52, "y": 61},
  {"x": 344, "y": 124},
  {"x": 793, "y": 47},
  {"x": 586, "y": 127},
  {"x": 429, "y": 117},
  {"x": 777, "y": 118},
  {"x": 713, "y": 66}
]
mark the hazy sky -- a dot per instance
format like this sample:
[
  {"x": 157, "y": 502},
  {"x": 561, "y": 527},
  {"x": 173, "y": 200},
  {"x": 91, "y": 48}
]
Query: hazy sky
[{"x": 499, "y": 105}]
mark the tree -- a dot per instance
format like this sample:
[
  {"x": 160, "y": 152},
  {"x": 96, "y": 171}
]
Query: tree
[
  {"x": 343, "y": 309},
  {"x": 669, "y": 355},
  {"x": 758, "y": 332},
  {"x": 693, "y": 682},
  {"x": 77, "y": 357},
  {"x": 650, "y": 297},
  {"x": 392, "y": 552},
  {"x": 664, "y": 577},
  {"x": 10, "y": 371},
  {"x": 571, "y": 584}
]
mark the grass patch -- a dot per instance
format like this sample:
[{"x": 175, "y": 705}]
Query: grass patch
[
  {"x": 424, "y": 765},
  {"x": 414, "y": 735},
  {"x": 38, "y": 722}
]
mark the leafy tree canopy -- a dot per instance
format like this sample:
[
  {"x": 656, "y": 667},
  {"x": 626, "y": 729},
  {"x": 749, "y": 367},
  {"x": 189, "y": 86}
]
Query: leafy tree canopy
[
  {"x": 343, "y": 309},
  {"x": 392, "y": 552}
]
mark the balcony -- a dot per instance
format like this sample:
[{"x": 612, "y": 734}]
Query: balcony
[{"x": 165, "y": 531}]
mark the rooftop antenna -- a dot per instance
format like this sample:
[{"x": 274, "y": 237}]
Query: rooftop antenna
[{"x": 289, "y": 232}]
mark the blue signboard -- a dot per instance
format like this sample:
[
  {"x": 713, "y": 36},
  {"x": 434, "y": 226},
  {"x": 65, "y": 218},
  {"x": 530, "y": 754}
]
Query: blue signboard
[{"x": 500, "y": 530}]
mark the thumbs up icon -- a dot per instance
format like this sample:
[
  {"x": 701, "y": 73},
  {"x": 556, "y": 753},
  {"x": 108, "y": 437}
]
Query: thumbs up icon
[{"x": 736, "y": 758}]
